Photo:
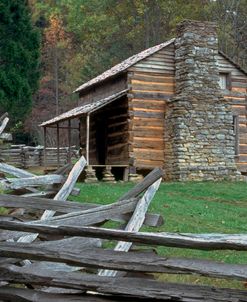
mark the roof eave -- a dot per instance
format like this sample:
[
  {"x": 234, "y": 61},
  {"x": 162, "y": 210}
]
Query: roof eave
[{"x": 232, "y": 61}]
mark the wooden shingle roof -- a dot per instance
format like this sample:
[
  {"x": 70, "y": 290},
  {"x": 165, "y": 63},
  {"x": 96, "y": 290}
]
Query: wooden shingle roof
[{"x": 121, "y": 67}]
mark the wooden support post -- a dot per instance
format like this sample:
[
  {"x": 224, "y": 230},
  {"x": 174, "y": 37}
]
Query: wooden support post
[
  {"x": 69, "y": 140},
  {"x": 87, "y": 138},
  {"x": 126, "y": 174},
  {"x": 45, "y": 134},
  {"x": 58, "y": 147}
]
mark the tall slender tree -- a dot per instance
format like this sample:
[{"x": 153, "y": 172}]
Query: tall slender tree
[{"x": 19, "y": 59}]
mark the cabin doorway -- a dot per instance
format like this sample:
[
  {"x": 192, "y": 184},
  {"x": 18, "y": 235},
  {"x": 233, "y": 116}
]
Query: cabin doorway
[{"x": 101, "y": 140}]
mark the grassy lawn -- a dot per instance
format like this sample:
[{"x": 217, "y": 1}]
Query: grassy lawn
[{"x": 205, "y": 207}]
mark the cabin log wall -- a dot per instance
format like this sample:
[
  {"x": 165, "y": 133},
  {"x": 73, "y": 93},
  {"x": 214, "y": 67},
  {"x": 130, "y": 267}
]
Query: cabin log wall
[
  {"x": 102, "y": 91},
  {"x": 237, "y": 96},
  {"x": 151, "y": 83}
]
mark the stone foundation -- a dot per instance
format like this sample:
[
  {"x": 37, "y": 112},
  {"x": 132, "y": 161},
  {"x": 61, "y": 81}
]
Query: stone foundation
[
  {"x": 90, "y": 176},
  {"x": 199, "y": 138}
]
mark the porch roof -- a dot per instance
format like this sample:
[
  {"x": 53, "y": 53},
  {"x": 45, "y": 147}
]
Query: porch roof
[{"x": 84, "y": 109}]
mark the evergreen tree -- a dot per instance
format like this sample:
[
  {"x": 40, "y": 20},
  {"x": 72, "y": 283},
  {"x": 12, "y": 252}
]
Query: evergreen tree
[{"x": 19, "y": 59}]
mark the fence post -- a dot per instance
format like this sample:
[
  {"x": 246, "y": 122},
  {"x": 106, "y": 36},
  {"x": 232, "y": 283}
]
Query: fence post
[{"x": 22, "y": 157}]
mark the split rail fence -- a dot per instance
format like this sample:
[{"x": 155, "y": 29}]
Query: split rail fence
[
  {"x": 63, "y": 255},
  {"x": 23, "y": 156}
]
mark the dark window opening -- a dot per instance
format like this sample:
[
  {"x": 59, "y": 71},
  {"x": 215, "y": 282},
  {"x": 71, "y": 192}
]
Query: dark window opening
[{"x": 225, "y": 80}]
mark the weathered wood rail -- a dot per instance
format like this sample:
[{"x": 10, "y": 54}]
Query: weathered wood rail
[
  {"x": 68, "y": 238},
  {"x": 4, "y": 119}
]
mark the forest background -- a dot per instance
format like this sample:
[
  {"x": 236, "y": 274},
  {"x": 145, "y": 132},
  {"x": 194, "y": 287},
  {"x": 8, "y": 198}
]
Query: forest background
[{"x": 81, "y": 38}]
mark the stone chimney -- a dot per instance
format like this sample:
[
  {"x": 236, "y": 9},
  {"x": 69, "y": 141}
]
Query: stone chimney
[{"x": 199, "y": 138}]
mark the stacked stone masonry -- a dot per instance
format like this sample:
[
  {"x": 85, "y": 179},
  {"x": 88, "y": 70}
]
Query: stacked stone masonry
[{"x": 199, "y": 136}]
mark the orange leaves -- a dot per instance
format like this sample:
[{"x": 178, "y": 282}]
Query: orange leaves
[{"x": 55, "y": 33}]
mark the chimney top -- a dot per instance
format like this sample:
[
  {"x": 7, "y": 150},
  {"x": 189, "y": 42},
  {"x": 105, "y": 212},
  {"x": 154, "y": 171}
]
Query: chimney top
[{"x": 199, "y": 27}]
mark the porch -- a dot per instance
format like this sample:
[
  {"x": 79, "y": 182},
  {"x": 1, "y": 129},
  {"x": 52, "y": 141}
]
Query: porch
[{"x": 102, "y": 133}]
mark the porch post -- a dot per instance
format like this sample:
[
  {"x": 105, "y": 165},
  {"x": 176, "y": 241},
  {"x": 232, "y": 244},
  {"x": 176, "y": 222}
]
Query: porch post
[
  {"x": 87, "y": 138},
  {"x": 69, "y": 139},
  {"x": 58, "y": 147}
]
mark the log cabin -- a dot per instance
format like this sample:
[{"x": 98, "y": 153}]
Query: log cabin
[{"x": 180, "y": 105}]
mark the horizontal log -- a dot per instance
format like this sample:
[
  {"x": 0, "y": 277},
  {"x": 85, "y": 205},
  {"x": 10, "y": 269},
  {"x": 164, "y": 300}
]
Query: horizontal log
[
  {"x": 131, "y": 287},
  {"x": 153, "y": 67},
  {"x": 148, "y": 114},
  {"x": 55, "y": 246},
  {"x": 47, "y": 193},
  {"x": 116, "y": 150},
  {"x": 155, "y": 133},
  {"x": 180, "y": 240},
  {"x": 152, "y": 87},
  {"x": 242, "y": 167},
  {"x": 147, "y": 104},
  {"x": 142, "y": 79},
  {"x": 121, "y": 133},
  {"x": 85, "y": 254},
  {"x": 148, "y": 164},
  {"x": 14, "y": 183},
  {"x": 147, "y": 77},
  {"x": 238, "y": 84},
  {"x": 156, "y": 62},
  {"x": 147, "y": 122},
  {"x": 15, "y": 171},
  {"x": 239, "y": 89},
  {"x": 13, "y": 201},
  {"x": 118, "y": 139},
  {"x": 150, "y": 96},
  {"x": 12, "y": 294},
  {"x": 118, "y": 128},
  {"x": 152, "y": 71},
  {"x": 148, "y": 144},
  {"x": 92, "y": 216}
]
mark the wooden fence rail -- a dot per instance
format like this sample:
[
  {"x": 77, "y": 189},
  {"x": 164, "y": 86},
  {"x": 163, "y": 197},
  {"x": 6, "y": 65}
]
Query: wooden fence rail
[
  {"x": 23, "y": 156},
  {"x": 208, "y": 242}
]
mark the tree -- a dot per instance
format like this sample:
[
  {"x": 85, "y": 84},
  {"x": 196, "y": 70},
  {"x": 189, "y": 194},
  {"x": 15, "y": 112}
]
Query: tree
[
  {"x": 231, "y": 17},
  {"x": 55, "y": 42},
  {"x": 19, "y": 59}
]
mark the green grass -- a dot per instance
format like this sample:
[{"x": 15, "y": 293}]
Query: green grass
[{"x": 201, "y": 207}]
